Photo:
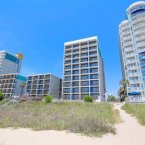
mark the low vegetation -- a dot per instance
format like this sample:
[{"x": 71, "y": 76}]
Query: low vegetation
[
  {"x": 88, "y": 99},
  {"x": 137, "y": 110},
  {"x": 48, "y": 99},
  {"x": 1, "y": 96},
  {"x": 111, "y": 98},
  {"x": 86, "y": 118}
]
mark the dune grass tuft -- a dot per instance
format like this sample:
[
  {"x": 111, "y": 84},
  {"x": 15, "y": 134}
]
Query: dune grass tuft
[
  {"x": 137, "y": 110},
  {"x": 86, "y": 118}
]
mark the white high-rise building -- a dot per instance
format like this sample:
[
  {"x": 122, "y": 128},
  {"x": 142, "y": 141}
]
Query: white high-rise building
[
  {"x": 132, "y": 50},
  {"x": 83, "y": 70},
  {"x": 10, "y": 63}
]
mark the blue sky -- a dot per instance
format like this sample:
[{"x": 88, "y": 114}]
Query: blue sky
[{"x": 39, "y": 28}]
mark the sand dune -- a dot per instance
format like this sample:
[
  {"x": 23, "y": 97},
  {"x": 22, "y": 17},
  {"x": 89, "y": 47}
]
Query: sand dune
[{"x": 129, "y": 132}]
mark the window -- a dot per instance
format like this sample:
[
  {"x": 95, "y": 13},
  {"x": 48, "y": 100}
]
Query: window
[
  {"x": 39, "y": 92},
  {"x": 67, "y": 47},
  {"x": 93, "y": 70},
  {"x": 68, "y": 57},
  {"x": 84, "y": 49},
  {"x": 75, "y": 45},
  {"x": 92, "y": 42},
  {"x": 84, "y": 71},
  {"x": 76, "y": 72},
  {"x": 142, "y": 63},
  {"x": 75, "y": 55},
  {"x": 68, "y": 67},
  {"x": 84, "y": 54},
  {"x": 67, "y": 78},
  {"x": 40, "y": 82},
  {"x": 75, "y": 97},
  {"x": 95, "y": 95},
  {"x": 84, "y": 59},
  {"x": 75, "y": 66},
  {"x": 94, "y": 89},
  {"x": 46, "y": 87},
  {"x": 138, "y": 11},
  {"x": 75, "y": 84},
  {"x": 142, "y": 56},
  {"x": 85, "y": 77},
  {"x": 75, "y": 77},
  {"x": 66, "y": 90},
  {"x": 134, "y": 85},
  {"x": 67, "y": 72},
  {"x": 93, "y": 53},
  {"x": 67, "y": 52},
  {"x": 86, "y": 83},
  {"x": 84, "y": 44},
  {"x": 92, "y": 48},
  {"x": 76, "y": 61},
  {"x": 93, "y": 64},
  {"x": 68, "y": 62},
  {"x": 94, "y": 83},
  {"x": 84, "y": 65},
  {"x": 75, "y": 51},
  {"x": 67, "y": 84},
  {"x": 67, "y": 97},
  {"x": 75, "y": 90},
  {"x": 86, "y": 89},
  {"x": 93, "y": 58},
  {"x": 41, "y": 77},
  {"x": 93, "y": 76},
  {"x": 143, "y": 70}
]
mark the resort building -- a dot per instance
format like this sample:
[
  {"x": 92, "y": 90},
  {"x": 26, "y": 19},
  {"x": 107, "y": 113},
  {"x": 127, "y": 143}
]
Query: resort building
[
  {"x": 83, "y": 70},
  {"x": 10, "y": 63},
  {"x": 42, "y": 85},
  {"x": 12, "y": 85},
  {"x": 132, "y": 51}
]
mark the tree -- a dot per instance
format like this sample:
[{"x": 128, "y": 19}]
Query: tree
[
  {"x": 1, "y": 96},
  {"x": 111, "y": 98},
  {"x": 123, "y": 90},
  {"x": 22, "y": 88}
]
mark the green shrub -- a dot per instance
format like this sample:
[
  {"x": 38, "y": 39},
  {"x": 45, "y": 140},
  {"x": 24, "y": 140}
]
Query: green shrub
[
  {"x": 1, "y": 96},
  {"x": 88, "y": 99},
  {"x": 48, "y": 99}
]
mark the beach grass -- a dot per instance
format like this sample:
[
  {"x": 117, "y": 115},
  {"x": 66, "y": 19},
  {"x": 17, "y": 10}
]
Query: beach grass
[
  {"x": 137, "y": 110},
  {"x": 78, "y": 117}
]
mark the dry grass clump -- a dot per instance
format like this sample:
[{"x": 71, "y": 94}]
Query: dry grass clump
[
  {"x": 87, "y": 118},
  {"x": 137, "y": 110}
]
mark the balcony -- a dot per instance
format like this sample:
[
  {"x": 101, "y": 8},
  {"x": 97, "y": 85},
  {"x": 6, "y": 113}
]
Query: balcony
[
  {"x": 130, "y": 55},
  {"x": 141, "y": 44},
  {"x": 133, "y": 74},
  {"x": 139, "y": 20},
  {"x": 139, "y": 32}
]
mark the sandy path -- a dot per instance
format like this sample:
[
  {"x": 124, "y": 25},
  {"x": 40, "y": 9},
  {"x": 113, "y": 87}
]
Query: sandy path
[{"x": 128, "y": 133}]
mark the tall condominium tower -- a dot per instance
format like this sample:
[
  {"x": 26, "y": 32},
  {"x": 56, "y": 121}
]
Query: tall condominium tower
[
  {"x": 132, "y": 50},
  {"x": 83, "y": 70},
  {"x": 10, "y": 63}
]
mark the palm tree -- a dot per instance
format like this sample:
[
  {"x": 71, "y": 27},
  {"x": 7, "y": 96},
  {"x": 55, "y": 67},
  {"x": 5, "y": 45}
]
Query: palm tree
[
  {"x": 123, "y": 89},
  {"x": 22, "y": 86}
]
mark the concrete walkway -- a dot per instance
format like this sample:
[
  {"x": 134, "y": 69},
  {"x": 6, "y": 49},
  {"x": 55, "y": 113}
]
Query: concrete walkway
[{"x": 129, "y": 132}]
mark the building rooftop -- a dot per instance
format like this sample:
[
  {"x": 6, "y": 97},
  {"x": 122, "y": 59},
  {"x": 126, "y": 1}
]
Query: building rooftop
[
  {"x": 136, "y": 4},
  {"x": 123, "y": 23},
  {"x": 81, "y": 40}
]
